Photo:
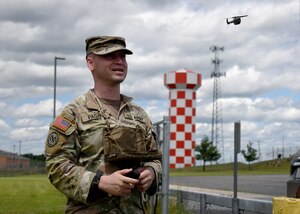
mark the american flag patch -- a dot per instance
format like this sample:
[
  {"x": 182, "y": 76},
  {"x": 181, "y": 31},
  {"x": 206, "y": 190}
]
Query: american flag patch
[{"x": 61, "y": 123}]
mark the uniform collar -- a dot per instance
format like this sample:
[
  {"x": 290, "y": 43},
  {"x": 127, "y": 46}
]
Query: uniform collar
[{"x": 92, "y": 102}]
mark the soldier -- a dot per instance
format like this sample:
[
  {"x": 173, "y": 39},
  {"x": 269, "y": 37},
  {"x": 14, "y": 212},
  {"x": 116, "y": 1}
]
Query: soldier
[{"x": 101, "y": 150}]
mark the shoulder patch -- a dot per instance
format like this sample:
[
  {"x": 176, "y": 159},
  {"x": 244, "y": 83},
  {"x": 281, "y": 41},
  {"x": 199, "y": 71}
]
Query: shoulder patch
[
  {"x": 52, "y": 139},
  {"x": 61, "y": 123}
]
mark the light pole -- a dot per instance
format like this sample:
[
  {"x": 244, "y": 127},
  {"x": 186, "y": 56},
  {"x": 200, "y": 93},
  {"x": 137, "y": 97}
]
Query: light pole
[
  {"x": 54, "y": 99},
  {"x": 20, "y": 154}
]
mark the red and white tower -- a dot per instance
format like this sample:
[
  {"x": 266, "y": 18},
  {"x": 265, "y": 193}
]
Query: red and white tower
[{"x": 182, "y": 85}]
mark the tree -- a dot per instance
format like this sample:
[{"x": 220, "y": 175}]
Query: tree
[
  {"x": 206, "y": 151},
  {"x": 250, "y": 155},
  {"x": 33, "y": 157}
]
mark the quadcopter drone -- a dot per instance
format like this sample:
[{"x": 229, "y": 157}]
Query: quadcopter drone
[{"x": 236, "y": 20}]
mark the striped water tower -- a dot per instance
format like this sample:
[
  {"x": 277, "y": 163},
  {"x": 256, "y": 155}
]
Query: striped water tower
[{"x": 182, "y": 85}]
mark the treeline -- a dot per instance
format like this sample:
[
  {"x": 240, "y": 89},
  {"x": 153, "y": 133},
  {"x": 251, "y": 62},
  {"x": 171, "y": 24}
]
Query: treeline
[
  {"x": 37, "y": 162},
  {"x": 35, "y": 158}
]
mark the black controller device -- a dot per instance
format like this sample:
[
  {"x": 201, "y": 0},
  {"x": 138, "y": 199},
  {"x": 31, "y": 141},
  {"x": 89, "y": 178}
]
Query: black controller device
[{"x": 133, "y": 174}]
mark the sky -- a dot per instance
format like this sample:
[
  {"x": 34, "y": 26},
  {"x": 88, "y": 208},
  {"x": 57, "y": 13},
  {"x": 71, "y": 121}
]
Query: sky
[{"x": 260, "y": 59}]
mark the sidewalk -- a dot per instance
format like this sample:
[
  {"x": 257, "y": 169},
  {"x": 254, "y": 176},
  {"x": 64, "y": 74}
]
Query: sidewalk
[
  {"x": 223, "y": 192},
  {"x": 214, "y": 209}
]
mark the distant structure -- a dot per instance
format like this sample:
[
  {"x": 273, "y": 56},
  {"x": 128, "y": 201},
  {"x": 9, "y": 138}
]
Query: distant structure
[
  {"x": 217, "y": 120},
  {"x": 13, "y": 160},
  {"x": 182, "y": 85}
]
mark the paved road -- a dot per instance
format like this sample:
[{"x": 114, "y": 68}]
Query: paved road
[{"x": 273, "y": 185}]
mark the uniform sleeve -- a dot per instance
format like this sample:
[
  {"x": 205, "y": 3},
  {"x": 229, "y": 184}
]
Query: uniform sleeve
[
  {"x": 156, "y": 165},
  {"x": 61, "y": 151}
]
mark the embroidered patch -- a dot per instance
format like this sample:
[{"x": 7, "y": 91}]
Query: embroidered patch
[
  {"x": 138, "y": 118},
  {"x": 61, "y": 123},
  {"x": 52, "y": 139},
  {"x": 91, "y": 116}
]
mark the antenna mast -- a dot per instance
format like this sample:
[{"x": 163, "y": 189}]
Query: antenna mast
[{"x": 217, "y": 121}]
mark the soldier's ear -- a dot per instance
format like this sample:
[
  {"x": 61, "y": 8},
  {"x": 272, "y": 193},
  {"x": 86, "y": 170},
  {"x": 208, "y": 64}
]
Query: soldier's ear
[{"x": 90, "y": 62}]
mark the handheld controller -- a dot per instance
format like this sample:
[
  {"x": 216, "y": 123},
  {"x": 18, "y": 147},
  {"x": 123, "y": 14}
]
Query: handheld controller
[{"x": 133, "y": 174}]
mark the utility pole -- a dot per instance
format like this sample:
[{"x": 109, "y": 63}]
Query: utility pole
[
  {"x": 20, "y": 142},
  {"x": 258, "y": 151},
  {"x": 217, "y": 120},
  {"x": 14, "y": 149},
  {"x": 283, "y": 147}
]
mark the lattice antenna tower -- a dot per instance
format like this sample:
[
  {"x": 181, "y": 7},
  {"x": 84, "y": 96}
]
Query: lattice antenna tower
[{"x": 217, "y": 120}]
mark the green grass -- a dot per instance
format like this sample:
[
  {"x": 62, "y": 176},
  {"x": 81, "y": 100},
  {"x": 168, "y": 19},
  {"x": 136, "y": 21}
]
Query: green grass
[
  {"x": 33, "y": 194},
  {"x": 29, "y": 194},
  {"x": 264, "y": 167},
  {"x": 173, "y": 207}
]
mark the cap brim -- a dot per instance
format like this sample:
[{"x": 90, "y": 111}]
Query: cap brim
[{"x": 107, "y": 50}]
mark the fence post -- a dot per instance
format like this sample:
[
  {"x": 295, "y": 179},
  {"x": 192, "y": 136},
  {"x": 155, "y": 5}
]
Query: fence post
[
  {"x": 237, "y": 148},
  {"x": 165, "y": 165},
  {"x": 235, "y": 206},
  {"x": 152, "y": 200},
  {"x": 179, "y": 198},
  {"x": 203, "y": 203}
]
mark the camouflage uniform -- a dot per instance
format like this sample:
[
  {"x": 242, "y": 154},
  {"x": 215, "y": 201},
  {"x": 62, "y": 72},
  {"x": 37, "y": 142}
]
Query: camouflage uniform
[{"x": 75, "y": 151}]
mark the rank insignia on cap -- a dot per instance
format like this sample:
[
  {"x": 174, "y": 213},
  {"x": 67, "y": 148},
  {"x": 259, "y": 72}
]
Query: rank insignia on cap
[{"x": 61, "y": 123}]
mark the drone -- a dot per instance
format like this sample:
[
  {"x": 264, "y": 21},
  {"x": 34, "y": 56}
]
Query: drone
[{"x": 236, "y": 20}]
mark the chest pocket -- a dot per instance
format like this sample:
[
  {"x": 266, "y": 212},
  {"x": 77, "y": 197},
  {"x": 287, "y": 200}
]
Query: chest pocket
[
  {"x": 126, "y": 143},
  {"x": 90, "y": 129}
]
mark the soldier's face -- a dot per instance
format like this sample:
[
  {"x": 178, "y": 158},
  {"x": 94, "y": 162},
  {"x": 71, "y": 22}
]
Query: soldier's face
[{"x": 110, "y": 68}]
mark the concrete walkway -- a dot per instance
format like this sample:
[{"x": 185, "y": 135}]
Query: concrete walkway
[{"x": 222, "y": 192}]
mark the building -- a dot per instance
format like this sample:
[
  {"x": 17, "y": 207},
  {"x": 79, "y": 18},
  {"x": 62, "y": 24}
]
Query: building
[{"x": 13, "y": 160}]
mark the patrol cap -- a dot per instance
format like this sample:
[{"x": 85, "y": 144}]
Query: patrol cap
[{"x": 101, "y": 45}]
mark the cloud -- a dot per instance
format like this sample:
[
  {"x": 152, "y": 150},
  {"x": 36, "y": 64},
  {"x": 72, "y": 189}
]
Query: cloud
[
  {"x": 3, "y": 125},
  {"x": 43, "y": 108},
  {"x": 260, "y": 59}
]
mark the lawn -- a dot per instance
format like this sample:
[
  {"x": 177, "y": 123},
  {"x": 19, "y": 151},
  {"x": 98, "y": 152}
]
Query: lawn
[
  {"x": 29, "y": 194},
  {"x": 277, "y": 166},
  {"x": 33, "y": 194}
]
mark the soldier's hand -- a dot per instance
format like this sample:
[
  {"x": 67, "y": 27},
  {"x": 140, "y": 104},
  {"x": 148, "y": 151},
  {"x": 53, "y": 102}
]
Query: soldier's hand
[
  {"x": 117, "y": 184},
  {"x": 147, "y": 175}
]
